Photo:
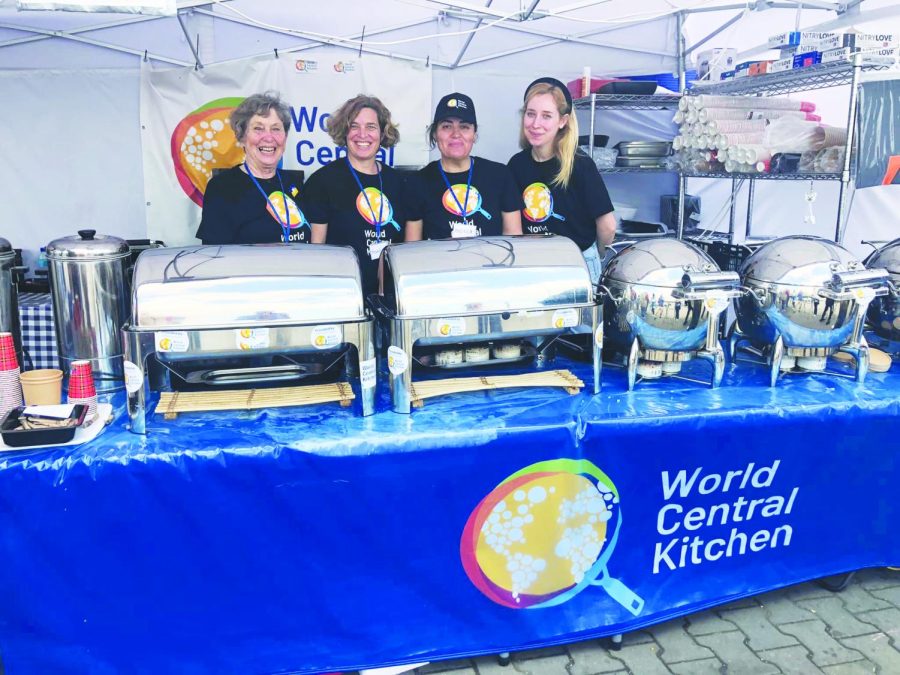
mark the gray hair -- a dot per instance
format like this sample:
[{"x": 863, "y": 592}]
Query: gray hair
[{"x": 259, "y": 104}]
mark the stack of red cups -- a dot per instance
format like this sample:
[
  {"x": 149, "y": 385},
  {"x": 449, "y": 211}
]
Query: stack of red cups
[
  {"x": 10, "y": 387},
  {"x": 81, "y": 387}
]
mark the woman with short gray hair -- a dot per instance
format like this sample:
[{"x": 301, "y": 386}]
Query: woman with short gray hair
[{"x": 256, "y": 202}]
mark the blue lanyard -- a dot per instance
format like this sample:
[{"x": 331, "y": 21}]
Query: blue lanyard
[
  {"x": 285, "y": 226},
  {"x": 378, "y": 221},
  {"x": 462, "y": 209}
]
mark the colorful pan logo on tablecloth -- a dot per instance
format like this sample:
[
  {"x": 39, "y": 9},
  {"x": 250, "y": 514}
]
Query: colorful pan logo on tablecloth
[
  {"x": 204, "y": 141},
  {"x": 545, "y": 534},
  {"x": 473, "y": 203},
  {"x": 294, "y": 216},
  {"x": 539, "y": 203},
  {"x": 372, "y": 203}
]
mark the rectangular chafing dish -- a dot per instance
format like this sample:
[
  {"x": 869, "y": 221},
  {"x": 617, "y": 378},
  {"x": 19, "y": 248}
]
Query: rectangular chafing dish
[
  {"x": 463, "y": 291},
  {"x": 222, "y": 305}
]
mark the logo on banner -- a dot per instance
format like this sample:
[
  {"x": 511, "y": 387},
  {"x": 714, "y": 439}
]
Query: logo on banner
[
  {"x": 304, "y": 66},
  {"x": 203, "y": 141},
  {"x": 344, "y": 67},
  {"x": 545, "y": 534}
]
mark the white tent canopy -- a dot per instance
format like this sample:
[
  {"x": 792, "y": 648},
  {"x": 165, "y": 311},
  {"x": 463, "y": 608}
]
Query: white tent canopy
[{"x": 72, "y": 140}]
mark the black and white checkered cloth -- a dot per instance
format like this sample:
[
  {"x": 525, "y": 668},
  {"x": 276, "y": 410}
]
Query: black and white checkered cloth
[{"x": 38, "y": 333}]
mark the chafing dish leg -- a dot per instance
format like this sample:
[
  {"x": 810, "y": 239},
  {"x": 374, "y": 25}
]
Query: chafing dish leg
[
  {"x": 777, "y": 357},
  {"x": 137, "y": 347},
  {"x": 634, "y": 355},
  {"x": 365, "y": 351},
  {"x": 400, "y": 365},
  {"x": 597, "y": 332}
]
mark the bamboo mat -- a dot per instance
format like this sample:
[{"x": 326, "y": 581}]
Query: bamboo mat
[
  {"x": 550, "y": 378},
  {"x": 172, "y": 403}
]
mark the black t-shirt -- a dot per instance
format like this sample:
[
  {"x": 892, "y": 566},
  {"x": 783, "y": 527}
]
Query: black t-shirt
[
  {"x": 491, "y": 192},
  {"x": 235, "y": 211},
  {"x": 550, "y": 209},
  {"x": 333, "y": 197}
]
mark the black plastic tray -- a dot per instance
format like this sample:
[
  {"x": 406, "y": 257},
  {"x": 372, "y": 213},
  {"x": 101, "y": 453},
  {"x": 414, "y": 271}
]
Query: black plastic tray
[{"x": 17, "y": 438}]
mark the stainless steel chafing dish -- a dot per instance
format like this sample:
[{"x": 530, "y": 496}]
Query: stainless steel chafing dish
[
  {"x": 222, "y": 307},
  {"x": 470, "y": 293},
  {"x": 805, "y": 299},
  {"x": 662, "y": 302},
  {"x": 884, "y": 312}
]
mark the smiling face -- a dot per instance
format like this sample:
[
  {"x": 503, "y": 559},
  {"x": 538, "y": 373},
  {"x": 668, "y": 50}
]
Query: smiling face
[
  {"x": 263, "y": 143},
  {"x": 541, "y": 122},
  {"x": 364, "y": 136},
  {"x": 454, "y": 139}
]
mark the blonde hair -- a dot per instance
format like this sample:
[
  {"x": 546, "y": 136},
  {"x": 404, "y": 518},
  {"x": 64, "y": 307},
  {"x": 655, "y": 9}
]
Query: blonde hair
[
  {"x": 566, "y": 142},
  {"x": 338, "y": 124}
]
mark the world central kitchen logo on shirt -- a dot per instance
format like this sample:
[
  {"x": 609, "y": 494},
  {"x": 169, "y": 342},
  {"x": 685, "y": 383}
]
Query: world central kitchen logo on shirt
[{"x": 545, "y": 534}]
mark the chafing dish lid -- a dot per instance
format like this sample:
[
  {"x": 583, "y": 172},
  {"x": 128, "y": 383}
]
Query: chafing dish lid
[
  {"x": 657, "y": 262},
  {"x": 246, "y": 285},
  {"x": 454, "y": 277},
  {"x": 87, "y": 245},
  {"x": 798, "y": 261},
  {"x": 887, "y": 257},
  {"x": 5, "y": 246}
]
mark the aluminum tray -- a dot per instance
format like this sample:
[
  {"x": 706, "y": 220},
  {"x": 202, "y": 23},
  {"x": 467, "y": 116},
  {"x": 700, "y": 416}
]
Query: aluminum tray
[
  {"x": 641, "y": 162},
  {"x": 644, "y": 148}
]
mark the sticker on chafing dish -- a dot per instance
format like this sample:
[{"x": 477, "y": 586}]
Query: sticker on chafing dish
[
  {"x": 367, "y": 373},
  {"x": 448, "y": 327},
  {"x": 171, "y": 341},
  {"x": 716, "y": 301},
  {"x": 323, "y": 337},
  {"x": 565, "y": 318},
  {"x": 134, "y": 378},
  {"x": 864, "y": 293},
  {"x": 598, "y": 336},
  {"x": 249, "y": 339},
  {"x": 397, "y": 361}
]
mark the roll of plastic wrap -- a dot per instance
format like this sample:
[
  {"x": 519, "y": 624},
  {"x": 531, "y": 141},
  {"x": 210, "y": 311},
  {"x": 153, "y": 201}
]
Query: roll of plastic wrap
[
  {"x": 727, "y": 140},
  {"x": 690, "y": 116},
  {"x": 730, "y": 165},
  {"x": 756, "y": 153},
  {"x": 762, "y": 166},
  {"x": 827, "y": 137},
  {"x": 683, "y": 103},
  {"x": 753, "y": 103},
  {"x": 676, "y": 143},
  {"x": 679, "y": 117}
]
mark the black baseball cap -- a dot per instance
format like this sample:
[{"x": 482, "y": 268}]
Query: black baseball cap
[{"x": 455, "y": 105}]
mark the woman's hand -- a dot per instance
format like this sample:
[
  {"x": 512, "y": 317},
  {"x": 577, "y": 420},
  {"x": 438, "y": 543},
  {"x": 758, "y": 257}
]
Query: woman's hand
[
  {"x": 512, "y": 222},
  {"x": 319, "y": 233}
]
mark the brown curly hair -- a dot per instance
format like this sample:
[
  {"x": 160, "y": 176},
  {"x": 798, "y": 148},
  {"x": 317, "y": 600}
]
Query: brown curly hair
[{"x": 338, "y": 124}]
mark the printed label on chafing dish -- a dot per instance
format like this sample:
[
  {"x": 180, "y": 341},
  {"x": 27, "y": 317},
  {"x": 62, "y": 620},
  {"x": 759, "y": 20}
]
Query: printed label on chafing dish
[
  {"x": 565, "y": 318},
  {"x": 134, "y": 378},
  {"x": 323, "y": 337},
  {"x": 448, "y": 327},
  {"x": 598, "y": 336},
  {"x": 397, "y": 361},
  {"x": 716, "y": 301},
  {"x": 171, "y": 341},
  {"x": 252, "y": 338},
  {"x": 367, "y": 373}
]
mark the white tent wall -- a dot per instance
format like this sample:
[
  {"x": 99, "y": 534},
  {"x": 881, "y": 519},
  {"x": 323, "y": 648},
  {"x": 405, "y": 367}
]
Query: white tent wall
[{"x": 74, "y": 128}]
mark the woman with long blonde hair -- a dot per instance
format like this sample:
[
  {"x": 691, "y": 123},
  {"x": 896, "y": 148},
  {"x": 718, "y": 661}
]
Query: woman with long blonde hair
[{"x": 563, "y": 192}]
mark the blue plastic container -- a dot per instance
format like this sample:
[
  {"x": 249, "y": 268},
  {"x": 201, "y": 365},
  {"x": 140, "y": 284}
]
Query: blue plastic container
[{"x": 667, "y": 80}]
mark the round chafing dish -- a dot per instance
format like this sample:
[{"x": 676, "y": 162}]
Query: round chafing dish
[
  {"x": 884, "y": 312},
  {"x": 662, "y": 299},
  {"x": 804, "y": 299}
]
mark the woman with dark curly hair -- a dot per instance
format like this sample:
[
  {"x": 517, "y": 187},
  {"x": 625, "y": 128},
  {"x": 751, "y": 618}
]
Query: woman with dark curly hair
[
  {"x": 358, "y": 200},
  {"x": 256, "y": 202}
]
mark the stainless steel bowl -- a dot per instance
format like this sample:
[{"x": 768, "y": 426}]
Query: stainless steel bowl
[
  {"x": 661, "y": 296},
  {"x": 805, "y": 297},
  {"x": 884, "y": 312}
]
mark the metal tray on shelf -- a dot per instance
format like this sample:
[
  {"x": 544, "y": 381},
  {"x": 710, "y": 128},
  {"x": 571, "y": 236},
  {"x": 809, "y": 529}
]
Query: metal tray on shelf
[
  {"x": 641, "y": 162},
  {"x": 644, "y": 148}
]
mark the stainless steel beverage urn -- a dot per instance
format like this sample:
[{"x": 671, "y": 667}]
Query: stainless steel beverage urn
[
  {"x": 90, "y": 303},
  {"x": 9, "y": 303}
]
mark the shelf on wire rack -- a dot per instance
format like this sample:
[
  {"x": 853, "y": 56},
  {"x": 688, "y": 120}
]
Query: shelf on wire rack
[
  {"x": 635, "y": 169},
  {"x": 628, "y": 102},
  {"x": 763, "y": 176},
  {"x": 819, "y": 76}
]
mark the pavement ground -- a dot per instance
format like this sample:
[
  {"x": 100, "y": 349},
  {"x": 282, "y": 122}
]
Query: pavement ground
[{"x": 802, "y": 629}]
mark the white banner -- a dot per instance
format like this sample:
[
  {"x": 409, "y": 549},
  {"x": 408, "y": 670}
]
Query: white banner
[{"x": 186, "y": 135}]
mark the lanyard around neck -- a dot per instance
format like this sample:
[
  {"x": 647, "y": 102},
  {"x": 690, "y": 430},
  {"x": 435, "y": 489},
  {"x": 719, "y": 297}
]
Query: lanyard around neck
[
  {"x": 465, "y": 204},
  {"x": 285, "y": 226},
  {"x": 378, "y": 221}
]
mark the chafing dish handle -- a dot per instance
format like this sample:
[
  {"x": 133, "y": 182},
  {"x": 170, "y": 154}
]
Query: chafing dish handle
[{"x": 702, "y": 281}]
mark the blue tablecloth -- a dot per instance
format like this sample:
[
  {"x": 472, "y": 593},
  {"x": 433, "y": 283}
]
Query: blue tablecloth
[{"x": 312, "y": 539}]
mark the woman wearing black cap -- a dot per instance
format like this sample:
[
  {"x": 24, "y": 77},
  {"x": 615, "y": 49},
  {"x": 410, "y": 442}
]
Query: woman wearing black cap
[
  {"x": 461, "y": 195},
  {"x": 562, "y": 189}
]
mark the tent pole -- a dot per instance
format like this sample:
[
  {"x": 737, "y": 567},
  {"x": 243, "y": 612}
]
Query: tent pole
[
  {"x": 702, "y": 41},
  {"x": 682, "y": 85},
  {"x": 470, "y": 37},
  {"x": 194, "y": 50}
]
